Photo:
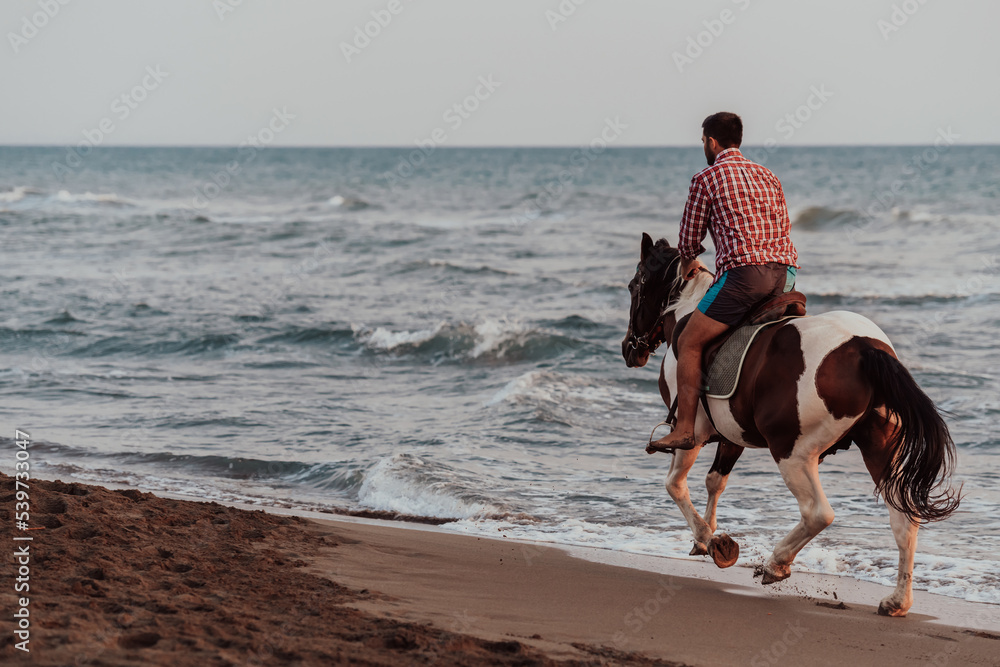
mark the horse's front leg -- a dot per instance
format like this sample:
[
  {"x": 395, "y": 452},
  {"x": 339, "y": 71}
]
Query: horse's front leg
[
  {"x": 677, "y": 487},
  {"x": 725, "y": 458}
]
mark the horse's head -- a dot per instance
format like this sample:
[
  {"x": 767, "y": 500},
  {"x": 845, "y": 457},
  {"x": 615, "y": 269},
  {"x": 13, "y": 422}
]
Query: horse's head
[{"x": 655, "y": 286}]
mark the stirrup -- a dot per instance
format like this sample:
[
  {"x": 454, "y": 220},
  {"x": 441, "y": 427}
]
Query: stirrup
[
  {"x": 670, "y": 421},
  {"x": 662, "y": 423}
]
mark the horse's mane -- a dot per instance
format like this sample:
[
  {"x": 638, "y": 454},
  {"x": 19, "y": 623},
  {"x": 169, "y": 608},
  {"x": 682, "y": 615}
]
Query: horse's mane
[{"x": 691, "y": 294}]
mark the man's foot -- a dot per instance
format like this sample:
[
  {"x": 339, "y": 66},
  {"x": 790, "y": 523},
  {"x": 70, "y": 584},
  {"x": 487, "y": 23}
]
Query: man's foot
[{"x": 673, "y": 441}]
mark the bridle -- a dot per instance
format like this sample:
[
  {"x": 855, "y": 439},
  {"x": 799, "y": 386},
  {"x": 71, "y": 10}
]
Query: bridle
[{"x": 642, "y": 343}]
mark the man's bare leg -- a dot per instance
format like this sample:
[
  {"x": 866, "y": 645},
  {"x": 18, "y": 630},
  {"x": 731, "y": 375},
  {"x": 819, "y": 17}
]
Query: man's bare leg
[{"x": 700, "y": 330}]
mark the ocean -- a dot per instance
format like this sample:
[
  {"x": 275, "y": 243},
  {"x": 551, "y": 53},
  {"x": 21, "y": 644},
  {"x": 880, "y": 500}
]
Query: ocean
[{"x": 439, "y": 334}]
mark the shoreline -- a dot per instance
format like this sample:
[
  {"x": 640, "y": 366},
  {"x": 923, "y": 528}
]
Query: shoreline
[
  {"x": 948, "y": 610},
  {"x": 823, "y": 588},
  {"x": 133, "y": 578},
  {"x": 522, "y": 590}
]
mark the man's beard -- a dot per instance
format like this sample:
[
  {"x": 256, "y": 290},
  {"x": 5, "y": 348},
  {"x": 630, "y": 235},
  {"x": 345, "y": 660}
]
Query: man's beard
[{"x": 709, "y": 157}]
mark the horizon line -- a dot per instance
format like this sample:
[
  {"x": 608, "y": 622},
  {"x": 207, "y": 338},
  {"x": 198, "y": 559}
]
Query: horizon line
[{"x": 492, "y": 146}]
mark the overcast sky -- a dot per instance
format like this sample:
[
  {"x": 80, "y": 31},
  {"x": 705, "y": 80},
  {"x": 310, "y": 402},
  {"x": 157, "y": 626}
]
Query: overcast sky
[{"x": 846, "y": 72}]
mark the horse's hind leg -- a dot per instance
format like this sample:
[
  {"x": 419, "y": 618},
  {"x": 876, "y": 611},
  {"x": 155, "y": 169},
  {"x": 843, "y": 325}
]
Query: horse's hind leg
[
  {"x": 873, "y": 440},
  {"x": 905, "y": 532},
  {"x": 677, "y": 487},
  {"x": 801, "y": 475}
]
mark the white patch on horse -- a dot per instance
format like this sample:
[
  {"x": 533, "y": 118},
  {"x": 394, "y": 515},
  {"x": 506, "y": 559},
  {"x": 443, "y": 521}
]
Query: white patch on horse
[
  {"x": 725, "y": 423},
  {"x": 821, "y": 335}
]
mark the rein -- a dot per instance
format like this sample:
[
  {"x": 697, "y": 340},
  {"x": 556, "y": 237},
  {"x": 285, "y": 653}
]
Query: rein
[{"x": 643, "y": 341}]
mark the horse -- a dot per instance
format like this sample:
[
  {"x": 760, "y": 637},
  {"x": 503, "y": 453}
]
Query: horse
[{"x": 810, "y": 386}]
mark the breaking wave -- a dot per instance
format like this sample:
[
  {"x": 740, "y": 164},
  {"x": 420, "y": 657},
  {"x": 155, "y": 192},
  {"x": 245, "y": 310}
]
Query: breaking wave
[
  {"x": 490, "y": 339},
  {"x": 408, "y": 484},
  {"x": 347, "y": 203},
  {"x": 27, "y": 196},
  {"x": 822, "y": 217}
]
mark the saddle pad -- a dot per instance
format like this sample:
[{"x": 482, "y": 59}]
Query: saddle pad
[{"x": 724, "y": 373}]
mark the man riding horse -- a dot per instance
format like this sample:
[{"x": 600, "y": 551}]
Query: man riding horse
[
  {"x": 741, "y": 204},
  {"x": 809, "y": 386}
]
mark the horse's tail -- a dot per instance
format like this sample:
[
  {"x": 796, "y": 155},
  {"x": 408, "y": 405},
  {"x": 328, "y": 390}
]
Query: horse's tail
[{"x": 917, "y": 478}]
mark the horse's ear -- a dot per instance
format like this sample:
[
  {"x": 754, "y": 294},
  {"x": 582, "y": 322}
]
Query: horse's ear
[{"x": 646, "y": 247}]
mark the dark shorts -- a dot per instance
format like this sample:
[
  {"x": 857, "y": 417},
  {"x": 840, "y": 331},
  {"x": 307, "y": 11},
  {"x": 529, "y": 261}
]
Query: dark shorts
[{"x": 740, "y": 288}]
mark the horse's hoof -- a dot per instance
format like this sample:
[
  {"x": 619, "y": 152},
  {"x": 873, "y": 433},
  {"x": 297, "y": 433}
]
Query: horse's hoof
[
  {"x": 698, "y": 549},
  {"x": 724, "y": 550},
  {"x": 770, "y": 578},
  {"x": 889, "y": 608},
  {"x": 772, "y": 574}
]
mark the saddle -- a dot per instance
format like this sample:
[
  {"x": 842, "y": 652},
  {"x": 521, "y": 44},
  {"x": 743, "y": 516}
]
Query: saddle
[{"x": 766, "y": 311}]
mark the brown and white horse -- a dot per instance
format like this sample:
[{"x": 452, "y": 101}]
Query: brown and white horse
[{"x": 809, "y": 387}]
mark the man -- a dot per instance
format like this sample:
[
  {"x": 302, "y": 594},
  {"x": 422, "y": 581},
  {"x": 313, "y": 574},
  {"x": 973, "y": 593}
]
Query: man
[{"x": 741, "y": 204}]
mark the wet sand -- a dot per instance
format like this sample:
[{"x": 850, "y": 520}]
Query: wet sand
[{"x": 121, "y": 577}]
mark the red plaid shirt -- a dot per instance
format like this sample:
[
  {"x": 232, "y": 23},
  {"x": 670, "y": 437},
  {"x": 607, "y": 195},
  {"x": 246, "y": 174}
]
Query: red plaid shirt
[{"x": 741, "y": 204}]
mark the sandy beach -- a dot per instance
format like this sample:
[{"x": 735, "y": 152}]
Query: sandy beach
[
  {"x": 122, "y": 577},
  {"x": 338, "y": 333}
]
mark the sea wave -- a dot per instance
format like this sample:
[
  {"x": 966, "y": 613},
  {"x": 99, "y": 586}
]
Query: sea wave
[
  {"x": 348, "y": 203},
  {"x": 382, "y": 339},
  {"x": 503, "y": 340},
  {"x": 499, "y": 340},
  {"x": 18, "y": 193},
  {"x": 30, "y": 197},
  {"x": 823, "y": 217},
  {"x": 65, "y": 317},
  {"x": 303, "y": 335},
  {"x": 409, "y": 484},
  {"x": 128, "y": 345},
  {"x": 223, "y": 466},
  {"x": 818, "y": 218},
  {"x": 481, "y": 269},
  {"x": 568, "y": 390},
  {"x": 111, "y": 199},
  {"x": 344, "y": 477},
  {"x": 403, "y": 483},
  {"x": 872, "y": 298}
]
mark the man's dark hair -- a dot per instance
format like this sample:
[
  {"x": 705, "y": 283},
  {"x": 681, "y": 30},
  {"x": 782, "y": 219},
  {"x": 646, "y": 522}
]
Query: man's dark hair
[{"x": 724, "y": 127}]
